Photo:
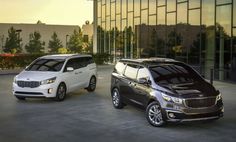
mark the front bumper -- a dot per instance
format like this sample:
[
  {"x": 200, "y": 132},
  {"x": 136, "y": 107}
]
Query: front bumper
[
  {"x": 183, "y": 114},
  {"x": 178, "y": 116},
  {"x": 38, "y": 92}
]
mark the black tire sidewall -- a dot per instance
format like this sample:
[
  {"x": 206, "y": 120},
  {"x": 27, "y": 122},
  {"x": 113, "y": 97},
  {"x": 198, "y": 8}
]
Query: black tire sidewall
[
  {"x": 57, "y": 95},
  {"x": 89, "y": 88}
]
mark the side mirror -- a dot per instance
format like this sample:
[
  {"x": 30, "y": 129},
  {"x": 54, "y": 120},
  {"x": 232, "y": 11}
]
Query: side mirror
[
  {"x": 144, "y": 81},
  {"x": 69, "y": 69}
]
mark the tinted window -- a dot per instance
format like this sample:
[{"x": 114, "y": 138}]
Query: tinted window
[
  {"x": 46, "y": 65},
  {"x": 119, "y": 68},
  {"x": 174, "y": 74},
  {"x": 131, "y": 71},
  {"x": 142, "y": 73}
]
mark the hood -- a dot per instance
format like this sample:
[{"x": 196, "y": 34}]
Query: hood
[
  {"x": 35, "y": 75},
  {"x": 191, "y": 90}
]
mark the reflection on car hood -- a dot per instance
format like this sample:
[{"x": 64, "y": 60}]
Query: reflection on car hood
[
  {"x": 191, "y": 90},
  {"x": 35, "y": 75}
]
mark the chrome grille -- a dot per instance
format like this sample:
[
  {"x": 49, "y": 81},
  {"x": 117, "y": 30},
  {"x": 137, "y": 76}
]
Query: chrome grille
[
  {"x": 200, "y": 102},
  {"x": 30, "y": 84}
]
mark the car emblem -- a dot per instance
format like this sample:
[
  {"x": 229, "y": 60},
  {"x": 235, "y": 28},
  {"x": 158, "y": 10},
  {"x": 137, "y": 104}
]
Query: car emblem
[
  {"x": 27, "y": 79},
  {"x": 201, "y": 95}
]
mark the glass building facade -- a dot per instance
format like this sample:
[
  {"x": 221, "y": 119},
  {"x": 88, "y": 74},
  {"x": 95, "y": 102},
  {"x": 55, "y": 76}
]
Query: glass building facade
[{"x": 201, "y": 33}]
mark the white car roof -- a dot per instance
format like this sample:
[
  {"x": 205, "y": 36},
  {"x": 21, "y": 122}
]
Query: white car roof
[{"x": 63, "y": 56}]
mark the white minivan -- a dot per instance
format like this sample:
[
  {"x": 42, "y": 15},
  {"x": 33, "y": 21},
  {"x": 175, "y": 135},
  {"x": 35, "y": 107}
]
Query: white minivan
[{"x": 53, "y": 76}]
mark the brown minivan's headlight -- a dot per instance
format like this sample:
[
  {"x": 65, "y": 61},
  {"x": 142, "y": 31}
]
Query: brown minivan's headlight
[
  {"x": 171, "y": 99},
  {"x": 218, "y": 97}
]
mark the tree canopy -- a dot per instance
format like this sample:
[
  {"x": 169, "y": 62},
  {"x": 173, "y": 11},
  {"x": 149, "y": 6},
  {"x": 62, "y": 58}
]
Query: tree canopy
[
  {"x": 75, "y": 44},
  {"x": 35, "y": 45},
  {"x": 54, "y": 44},
  {"x": 13, "y": 40}
]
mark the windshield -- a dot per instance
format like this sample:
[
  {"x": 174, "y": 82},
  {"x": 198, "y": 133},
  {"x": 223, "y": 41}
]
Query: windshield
[
  {"x": 53, "y": 65},
  {"x": 174, "y": 73}
]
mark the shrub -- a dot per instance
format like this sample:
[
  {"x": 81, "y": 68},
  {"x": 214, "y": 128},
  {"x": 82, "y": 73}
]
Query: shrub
[{"x": 11, "y": 61}]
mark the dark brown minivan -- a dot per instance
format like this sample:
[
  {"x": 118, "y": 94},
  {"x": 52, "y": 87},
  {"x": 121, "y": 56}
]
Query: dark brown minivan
[{"x": 169, "y": 91}]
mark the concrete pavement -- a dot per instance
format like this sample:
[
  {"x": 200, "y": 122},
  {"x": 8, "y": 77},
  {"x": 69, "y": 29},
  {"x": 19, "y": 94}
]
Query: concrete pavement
[{"x": 91, "y": 117}]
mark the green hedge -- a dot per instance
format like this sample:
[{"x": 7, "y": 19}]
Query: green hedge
[{"x": 22, "y": 60}]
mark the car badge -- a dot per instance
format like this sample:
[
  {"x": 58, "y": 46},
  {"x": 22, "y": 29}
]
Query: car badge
[
  {"x": 27, "y": 79},
  {"x": 201, "y": 95}
]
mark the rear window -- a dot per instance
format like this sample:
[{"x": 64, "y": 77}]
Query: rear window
[{"x": 119, "y": 68}]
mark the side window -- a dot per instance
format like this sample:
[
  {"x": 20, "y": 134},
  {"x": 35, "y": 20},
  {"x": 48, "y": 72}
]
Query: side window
[
  {"x": 131, "y": 71},
  {"x": 70, "y": 63},
  {"x": 81, "y": 62},
  {"x": 142, "y": 73},
  {"x": 89, "y": 60},
  {"x": 119, "y": 68}
]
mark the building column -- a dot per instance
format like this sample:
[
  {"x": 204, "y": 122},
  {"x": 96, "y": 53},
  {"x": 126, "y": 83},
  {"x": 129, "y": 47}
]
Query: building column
[{"x": 95, "y": 26}]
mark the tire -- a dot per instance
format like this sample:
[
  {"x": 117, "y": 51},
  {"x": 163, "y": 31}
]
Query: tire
[
  {"x": 154, "y": 114},
  {"x": 116, "y": 99},
  {"x": 20, "y": 98},
  {"x": 61, "y": 92},
  {"x": 92, "y": 84}
]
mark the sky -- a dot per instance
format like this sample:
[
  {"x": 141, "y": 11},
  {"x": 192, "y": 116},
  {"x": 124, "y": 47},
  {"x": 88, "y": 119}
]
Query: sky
[{"x": 59, "y": 12}]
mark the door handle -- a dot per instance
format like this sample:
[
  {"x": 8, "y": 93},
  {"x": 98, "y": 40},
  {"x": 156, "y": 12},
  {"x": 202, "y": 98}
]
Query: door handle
[{"x": 76, "y": 73}]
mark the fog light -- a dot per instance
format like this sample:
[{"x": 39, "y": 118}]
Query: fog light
[
  {"x": 50, "y": 91},
  {"x": 171, "y": 115}
]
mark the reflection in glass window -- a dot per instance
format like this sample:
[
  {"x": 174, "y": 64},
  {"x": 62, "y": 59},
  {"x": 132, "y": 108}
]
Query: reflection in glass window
[
  {"x": 194, "y": 3},
  {"x": 171, "y": 5},
  {"x": 144, "y": 17},
  {"x": 131, "y": 71},
  {"x": 234, "y": 16},
  {"x": 223, "y": 1},
  {"x": 161, "y": 15},
  {"x": 194, "y": 17},
  {"x": 113, "y": 11},
  {"x": 182, "y": 13},
  {"x": 99, "y": 9},
  {"x": 103, "y": 12},
  {"x": 161, "y": 2},
  {"x": 208, "y": 12},
  {"x": 124, "y": 8},
  {"x": 118, "y": 6},
  {"x": 152, "y": 7},
  {"x": 222, "y": 19},
  {"x": 108, "y": 8},
  {"x": 152, "y": 20},
  {"x": 136, "y": 8},
  {"x": 171, "y": 19},
  {"x": 144, "y": 4},
  {"x": 130, "y": 5}
]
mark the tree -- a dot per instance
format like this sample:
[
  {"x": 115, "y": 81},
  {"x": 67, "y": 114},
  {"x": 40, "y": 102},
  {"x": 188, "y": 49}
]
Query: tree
[
  {"x": 62, "y": 50},
  {"x": 35, "y": 45},
  {"x": 75, "y": 44},
  {"x": 55, "y": 43},
  {"x": 13, "y": 40}
]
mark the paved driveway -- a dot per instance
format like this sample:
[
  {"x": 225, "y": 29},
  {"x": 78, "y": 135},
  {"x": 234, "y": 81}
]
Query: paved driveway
[{"x": 87, "y": 116}]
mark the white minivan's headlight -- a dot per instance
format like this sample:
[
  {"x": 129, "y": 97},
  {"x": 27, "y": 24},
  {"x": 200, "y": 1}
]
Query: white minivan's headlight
[
  {"x": 15, "y": 81},
  {"x": 171, "y": 99},
  {"x": 48, "y": 81}
]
